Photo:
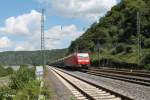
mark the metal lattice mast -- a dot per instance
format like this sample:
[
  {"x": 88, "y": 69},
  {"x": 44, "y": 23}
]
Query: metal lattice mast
[
  {"x": 139, "y": 37},
  {"x": 42, "y": 39}
]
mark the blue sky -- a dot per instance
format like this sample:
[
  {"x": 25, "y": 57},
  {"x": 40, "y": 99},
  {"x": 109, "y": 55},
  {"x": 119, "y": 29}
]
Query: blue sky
[
  {"x": 16, "y": 7},
  {"x": 20, "y": 21}
]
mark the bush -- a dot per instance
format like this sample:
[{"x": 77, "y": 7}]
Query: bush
[
  {"x": 30, "y": 91},
  {"x": 146, "y": 59},
  {"x": 128, "y": 49},
  {"x": 23, "y": 86},
  {"x": 9, "y": 70},
  {"x": 21, "y": 77},
  {"x": 4, "y": 93},
  {"x": 120, "y": 48},
  {"x": 147, "y": 43},
  {"x": 147, "y": 67},
  {"x": 5, "y": 71}
]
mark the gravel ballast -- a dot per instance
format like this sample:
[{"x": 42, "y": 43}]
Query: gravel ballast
[{"x": 135, "y": 91}]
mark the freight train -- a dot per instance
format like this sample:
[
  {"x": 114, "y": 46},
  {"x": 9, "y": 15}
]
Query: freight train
[{"x": 75, "y": 60}]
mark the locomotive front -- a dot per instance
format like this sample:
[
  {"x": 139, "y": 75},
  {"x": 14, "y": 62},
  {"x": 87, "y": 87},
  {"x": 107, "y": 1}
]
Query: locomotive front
[{"x": 83, "y": 60}]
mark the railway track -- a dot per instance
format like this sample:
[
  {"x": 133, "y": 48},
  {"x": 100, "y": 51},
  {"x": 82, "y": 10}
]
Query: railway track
[
  {"x": 125, "y": 72},
  {"x": 133, "y": 77},
  {"x": 84, "y": 90}
]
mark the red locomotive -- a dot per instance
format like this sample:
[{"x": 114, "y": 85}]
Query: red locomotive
[{"x": 76, "y": 60}]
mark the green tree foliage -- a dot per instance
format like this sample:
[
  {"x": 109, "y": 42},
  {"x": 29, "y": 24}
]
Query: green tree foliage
[
  {"x": 30, "y": 57},
  {"x": 21, "y": 77},
  {"x": 5, "y": 71},
  {"x": 119, "y": 48},
  {"x": 147, "y": 43},
  {"x": 5, "y": 93},
  {"x": 29, "y": 92},
  {"x": 146, "y": 61},
  {"x": 22, "y": 86},
  {"x": 118, "y": 26}
]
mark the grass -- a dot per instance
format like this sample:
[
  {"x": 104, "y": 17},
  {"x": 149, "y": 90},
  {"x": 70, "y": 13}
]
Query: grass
[
  {"x": 72, "y": 98},
  {"x": 4, "y": 78}
]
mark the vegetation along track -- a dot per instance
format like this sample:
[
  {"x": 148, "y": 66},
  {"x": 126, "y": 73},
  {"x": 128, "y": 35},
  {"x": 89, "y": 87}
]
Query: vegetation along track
[
  {"x": 84, "y": 90},
  {"x": 133, "y": 77}
]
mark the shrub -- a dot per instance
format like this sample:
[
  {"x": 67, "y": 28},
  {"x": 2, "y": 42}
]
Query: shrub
[
  {"x": 147, "y": 43},
  {"x": 113, "y": 51},
  {"x": 147, "y": 67},
  {"x": 4, "y": 93},
  {"x": 9, "y": 70},
  {"x": 30, "y": 91},
  {"x": 146, "y": 59},
  {"x": 21, "y": 77},
  {"x": 120, "y": 48},
  {"x": 5, "y": 71},
  {"x": 128, "y": 49}
]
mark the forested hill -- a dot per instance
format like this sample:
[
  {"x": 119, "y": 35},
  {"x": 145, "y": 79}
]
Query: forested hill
[
  {"x": 29, "y": 57},
  {"x": 116, "y": 33}
]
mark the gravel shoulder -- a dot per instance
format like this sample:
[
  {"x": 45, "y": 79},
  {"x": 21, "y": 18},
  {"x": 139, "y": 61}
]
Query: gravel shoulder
[{"x": 58, "y": 90}]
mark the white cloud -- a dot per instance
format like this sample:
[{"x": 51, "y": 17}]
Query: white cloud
[
  {"x": 23, "y": 46},
  {"x": 22, "y": 25},
  {"x": 61, "y": 36},
  {"x": 84, "y": 9},
  {"x": 26, "y": 28},
  {"x": 19, "y": 48},
  {"x": 5, "y": 42},
  {"x": 55, "y": 37}
]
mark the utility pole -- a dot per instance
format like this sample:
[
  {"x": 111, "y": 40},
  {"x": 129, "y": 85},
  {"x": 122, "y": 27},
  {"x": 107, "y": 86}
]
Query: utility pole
[
  {"x": 98, "y": 46},
  {"x": 42, "y": 39},
  {"x": 139, "y": 37},
  {"x": 98, "y": 57}
]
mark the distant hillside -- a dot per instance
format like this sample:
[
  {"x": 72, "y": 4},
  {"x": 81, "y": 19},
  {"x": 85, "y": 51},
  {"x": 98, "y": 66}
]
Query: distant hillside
[
  {"x": 116, "y": 34},
  {"x": 29, "y": 57}
]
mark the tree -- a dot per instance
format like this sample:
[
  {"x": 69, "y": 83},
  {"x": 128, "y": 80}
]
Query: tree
[
  {"x": 147, "y": 43},
  {"x": 119, "y": 26}
]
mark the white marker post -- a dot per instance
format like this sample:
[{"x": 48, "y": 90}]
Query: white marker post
[
  {"x": 39, "y": 76},
  {"x": 39, "y": 72}
]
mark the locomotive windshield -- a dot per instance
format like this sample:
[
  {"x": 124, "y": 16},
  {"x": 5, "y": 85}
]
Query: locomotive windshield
[{"x": 83, "y": 55}]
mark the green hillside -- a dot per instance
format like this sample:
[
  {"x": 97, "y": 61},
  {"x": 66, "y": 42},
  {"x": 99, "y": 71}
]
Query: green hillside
[
  {"x": 29, "y": 57},
  {"x": 116, "y": 34}
]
